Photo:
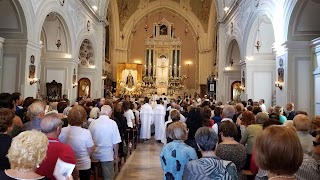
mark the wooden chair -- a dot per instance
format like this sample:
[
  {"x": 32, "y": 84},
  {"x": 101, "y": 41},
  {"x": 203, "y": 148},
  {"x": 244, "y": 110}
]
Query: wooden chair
[
  {"x": 248, "y": 174},
  {"x": 96, "y": 169}
]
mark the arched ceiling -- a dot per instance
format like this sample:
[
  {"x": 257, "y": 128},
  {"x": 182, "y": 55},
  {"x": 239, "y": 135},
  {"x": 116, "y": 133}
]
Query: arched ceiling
[
  {"x": 201, "y": 9},
  {"x": 12, "y": 20}
]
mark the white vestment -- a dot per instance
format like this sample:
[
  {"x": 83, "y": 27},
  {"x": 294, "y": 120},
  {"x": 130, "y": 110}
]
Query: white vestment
[
  {"x": 146, "y": 118},
  {"x": 159, "y": 114}
]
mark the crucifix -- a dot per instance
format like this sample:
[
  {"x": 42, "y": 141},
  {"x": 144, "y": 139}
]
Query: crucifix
[{"x": 162, "y": 66}]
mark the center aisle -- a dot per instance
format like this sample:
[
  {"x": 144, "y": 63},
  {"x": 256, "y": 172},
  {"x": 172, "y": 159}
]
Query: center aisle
[{"x": 143, "y": 163}]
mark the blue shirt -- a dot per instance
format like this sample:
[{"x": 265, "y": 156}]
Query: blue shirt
[
  {"x": 33, "y": 124},
  {"x": 174, "y": 157}
]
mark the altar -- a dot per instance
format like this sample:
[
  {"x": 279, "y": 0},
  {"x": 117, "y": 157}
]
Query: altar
[{"x": 161, "y": 70}]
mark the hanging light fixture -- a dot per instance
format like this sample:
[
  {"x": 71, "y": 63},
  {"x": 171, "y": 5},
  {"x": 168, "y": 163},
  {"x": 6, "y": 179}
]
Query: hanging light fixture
[
  {"x": 146, "y": 25},
  {"x": 134, "y": 29},
  {"x": 186, "y": 31},
  {"x": 258, "y": 38},
  {"x": 58, "y": 37}
]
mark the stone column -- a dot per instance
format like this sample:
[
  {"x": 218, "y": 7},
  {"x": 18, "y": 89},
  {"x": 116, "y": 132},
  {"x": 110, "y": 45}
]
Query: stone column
[{"x": 315, "y": 45}]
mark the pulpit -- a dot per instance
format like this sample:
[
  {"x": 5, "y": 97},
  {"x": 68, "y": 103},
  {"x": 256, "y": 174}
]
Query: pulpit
[{"x": 129, "y": 79}]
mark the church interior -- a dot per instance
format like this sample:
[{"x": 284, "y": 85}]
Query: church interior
[
  {"x": 223, "y": 50},
  {"x": 228, "y": 49}
]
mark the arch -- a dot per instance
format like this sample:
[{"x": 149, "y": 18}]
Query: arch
[
  {"x": 233, "y": 53},
  {"x": 261, "y": 21},
  {"x": 13, "y": 23},
  {"x": 301, "y": 25},
  {"x": 139, "y": 14},
  {"x": 50, "y": 7},
  {"x": 50, "y": 31}
]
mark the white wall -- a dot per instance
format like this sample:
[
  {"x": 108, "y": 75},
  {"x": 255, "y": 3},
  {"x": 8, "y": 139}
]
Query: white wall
[{"x": 11, "y": 64}]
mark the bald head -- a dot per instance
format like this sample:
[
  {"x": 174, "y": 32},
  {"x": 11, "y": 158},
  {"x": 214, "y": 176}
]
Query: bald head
[
  {"x": 106, "y": 110},
  {"x": 301, "y": 122},
  {"x": 50, "y": 123}
]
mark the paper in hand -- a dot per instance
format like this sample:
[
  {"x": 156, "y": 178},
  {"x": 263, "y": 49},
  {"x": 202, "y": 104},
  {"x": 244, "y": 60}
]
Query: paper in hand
[{"x": 63, "y": 169}]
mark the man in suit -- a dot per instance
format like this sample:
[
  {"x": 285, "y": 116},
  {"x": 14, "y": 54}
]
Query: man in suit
[{"x": 291, "y": 112}]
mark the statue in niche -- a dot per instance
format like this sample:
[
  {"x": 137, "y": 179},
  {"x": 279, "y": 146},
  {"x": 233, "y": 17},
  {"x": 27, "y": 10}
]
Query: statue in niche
[
  {"x": 163, "y": 30},
  {"x": 85, "y": 88},
  {"x": 130, "y": 81}
]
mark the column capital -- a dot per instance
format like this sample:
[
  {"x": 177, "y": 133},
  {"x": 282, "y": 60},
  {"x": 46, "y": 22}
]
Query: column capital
[{"x": 281, "y": 48}]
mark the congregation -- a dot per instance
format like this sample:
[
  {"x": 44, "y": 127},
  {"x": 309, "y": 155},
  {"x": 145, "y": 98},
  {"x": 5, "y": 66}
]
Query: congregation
[{"x": 203, "y": 139}]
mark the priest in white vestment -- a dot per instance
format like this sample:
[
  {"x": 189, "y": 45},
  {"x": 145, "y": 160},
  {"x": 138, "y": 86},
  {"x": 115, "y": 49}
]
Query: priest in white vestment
[
  {"x": 159, "y": 112},
  {"x": 146, "y": 120}
]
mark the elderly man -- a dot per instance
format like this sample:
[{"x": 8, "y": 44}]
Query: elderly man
[
  {"x": 227, "y": 115},
  {"x": 291, "y": 112},
  {"x": 36, "y": 112},
  {"x": 106, "y": 137},
  {"x": 51, "y": 126},
  {"x": 302, "y": 124}
]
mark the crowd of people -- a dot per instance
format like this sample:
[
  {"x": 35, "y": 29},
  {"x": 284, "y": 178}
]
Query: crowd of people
[{"x": 203, "y": 139}]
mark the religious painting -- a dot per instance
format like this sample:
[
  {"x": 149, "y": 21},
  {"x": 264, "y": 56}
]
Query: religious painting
[
  {"x": 32, "y": 68},
  {"x": 163, "y": 30},
  {"x": 212, "y": 87},
  {"x": 129, "y": 77},
  {"x": 280, "y": 74},
  {"x": 53, "y": 90},
  {"x": 84, "y": 88},
  {"x": 74, "y": 77},
  {"x": 243, "y": 79}
]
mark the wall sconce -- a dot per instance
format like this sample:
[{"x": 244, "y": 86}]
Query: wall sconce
[
  {"x": 74, "y": 85},
  {"x": 34, "y": 80},
  {"x": 278, "y": 84},
  {"x": 104, "y": 77}
]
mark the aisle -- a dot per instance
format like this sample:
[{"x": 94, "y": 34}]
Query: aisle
[{"x": 143, "y": 164}]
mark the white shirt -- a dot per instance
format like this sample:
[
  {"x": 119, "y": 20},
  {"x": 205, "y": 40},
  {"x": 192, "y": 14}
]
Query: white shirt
[
  {"x": 263, "y": 108},
  {"x": 129, "y": 116},
  {"x": 105, "y": 134},
  {"x": 215, "y": 126},
  {"x": 80, "y": 140}
]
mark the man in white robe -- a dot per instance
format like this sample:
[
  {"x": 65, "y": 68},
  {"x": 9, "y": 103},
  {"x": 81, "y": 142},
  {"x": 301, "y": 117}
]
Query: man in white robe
[
  {"x": 159, "y": 112},
  {"x": 146, "y": 120}
]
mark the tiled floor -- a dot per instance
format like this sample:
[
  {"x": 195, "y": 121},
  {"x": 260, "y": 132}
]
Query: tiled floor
[{"x": 143, "y": 164}]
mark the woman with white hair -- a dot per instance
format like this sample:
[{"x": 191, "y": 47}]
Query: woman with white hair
[
  {"x": 27, "y": 151},
  {"x": 176, "y": 154},
  {"x": 94, "y": 114}
]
